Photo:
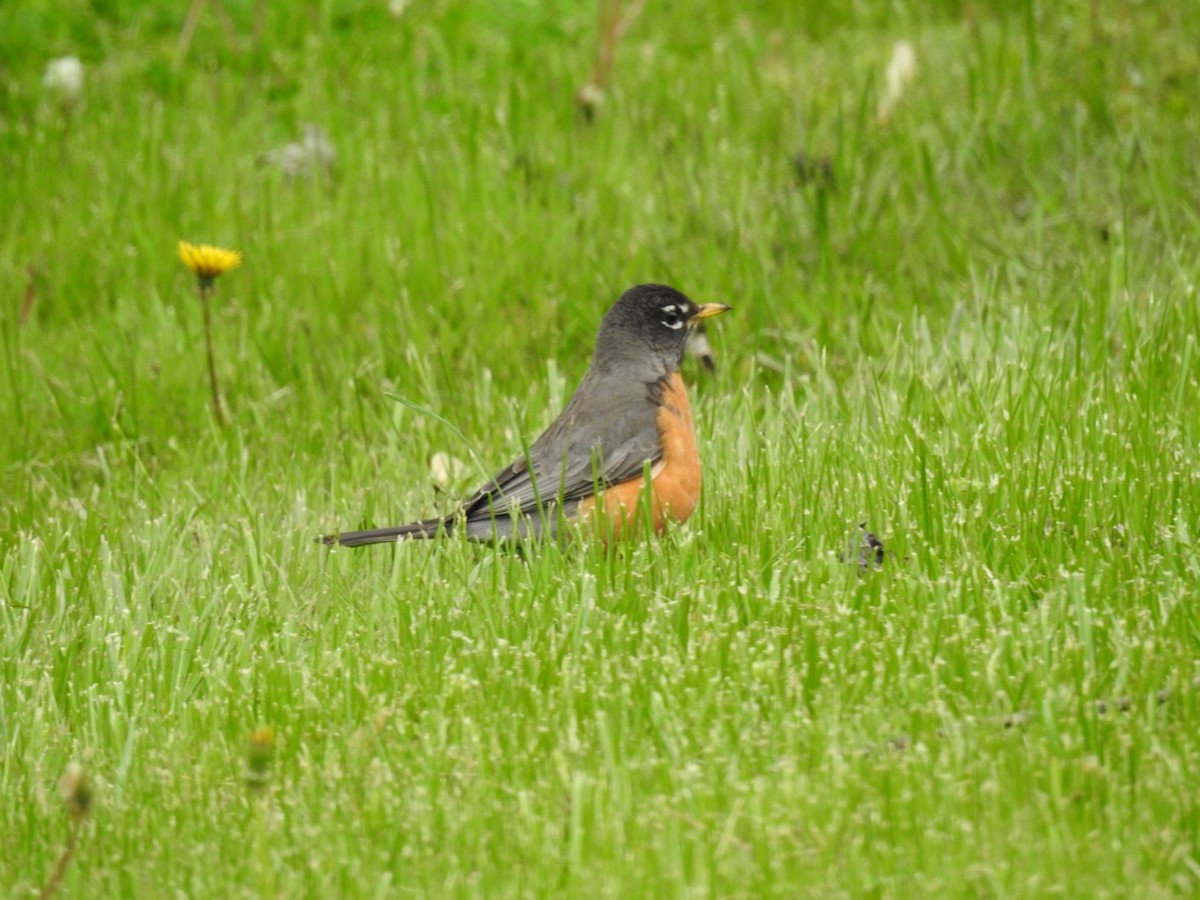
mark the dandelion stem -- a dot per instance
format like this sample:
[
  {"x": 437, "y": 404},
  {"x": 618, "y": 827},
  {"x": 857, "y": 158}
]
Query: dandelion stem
[
  {"x": 262, "y": 849},
  {"x": 205, "y": 292},
  {"x": 64, "y": 860}
]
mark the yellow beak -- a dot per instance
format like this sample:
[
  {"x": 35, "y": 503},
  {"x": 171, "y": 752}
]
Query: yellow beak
[{"x": 708, "y": 310}]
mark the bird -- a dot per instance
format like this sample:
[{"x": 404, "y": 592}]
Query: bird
[{"x": 629, "y": 417}]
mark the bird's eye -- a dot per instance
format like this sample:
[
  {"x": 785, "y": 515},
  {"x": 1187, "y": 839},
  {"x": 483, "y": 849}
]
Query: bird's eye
[{"x": 672, "y": 316}]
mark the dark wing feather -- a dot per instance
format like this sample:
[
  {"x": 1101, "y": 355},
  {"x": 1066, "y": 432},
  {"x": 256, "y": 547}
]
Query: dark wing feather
[{"x": 612, "y": 444}]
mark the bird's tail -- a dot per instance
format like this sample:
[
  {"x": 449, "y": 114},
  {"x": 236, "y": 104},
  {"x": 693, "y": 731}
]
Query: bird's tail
[{"x": 414, "y": 531}]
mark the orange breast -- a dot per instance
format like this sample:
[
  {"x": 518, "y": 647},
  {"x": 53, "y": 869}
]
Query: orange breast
[{"x": 674, "y": 480}]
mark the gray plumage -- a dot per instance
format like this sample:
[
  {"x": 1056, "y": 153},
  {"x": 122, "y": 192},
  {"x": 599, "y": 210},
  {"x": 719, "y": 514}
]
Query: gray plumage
[{"x": 607, "y": 434}]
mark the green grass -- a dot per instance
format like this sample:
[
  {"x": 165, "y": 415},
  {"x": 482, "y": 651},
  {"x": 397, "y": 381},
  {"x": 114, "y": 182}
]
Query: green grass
[{"x": 981, "y": 339}]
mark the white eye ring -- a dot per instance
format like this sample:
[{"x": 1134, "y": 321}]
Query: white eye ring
[{"x": 673, "y": 310}]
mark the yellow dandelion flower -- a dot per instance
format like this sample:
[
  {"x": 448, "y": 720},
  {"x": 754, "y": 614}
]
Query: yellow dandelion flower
[
  {"x": 262, "y": 744},
  {"x": 260, "y": 752},
  {"x": 207, "y": 261}
]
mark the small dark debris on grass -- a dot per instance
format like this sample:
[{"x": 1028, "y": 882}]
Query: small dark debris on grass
[
  {"x": 1103, "y": 707},
  {"x": 868, "y": 553},
  {"x": 1025, "y": 717},
  {"x": 813, "y": 170},
  {"x": 588, "y": 100}
]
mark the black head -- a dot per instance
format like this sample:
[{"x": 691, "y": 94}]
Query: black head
[{"x": 651, "y": 321}]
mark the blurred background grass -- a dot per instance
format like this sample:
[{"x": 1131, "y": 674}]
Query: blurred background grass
[{"x": 468, "y": 191}]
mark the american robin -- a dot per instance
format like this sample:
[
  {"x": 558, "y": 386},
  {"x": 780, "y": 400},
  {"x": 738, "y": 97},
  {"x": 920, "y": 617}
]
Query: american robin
[{"x": 629, "y": 413}]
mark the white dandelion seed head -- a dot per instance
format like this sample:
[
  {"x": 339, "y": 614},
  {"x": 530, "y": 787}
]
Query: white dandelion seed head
[
  {"x": 901, "y": 69},
  {"x": 445, "y": 469},
  {"x": 65, "y": 76},
  {"x": 900, "y": 72}
]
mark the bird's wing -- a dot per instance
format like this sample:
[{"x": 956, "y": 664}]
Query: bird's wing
[{"x": 572, "y": 458}]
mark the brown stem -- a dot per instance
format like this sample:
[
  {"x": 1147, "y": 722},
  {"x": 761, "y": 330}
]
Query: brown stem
[
  {"x": 612, "y": 23},
  {"x": 189, "y": 30},
  {"x": 205, "y": 292},
  {"x": 64, "y": 860},
  {"x": 29, "y": 300}
]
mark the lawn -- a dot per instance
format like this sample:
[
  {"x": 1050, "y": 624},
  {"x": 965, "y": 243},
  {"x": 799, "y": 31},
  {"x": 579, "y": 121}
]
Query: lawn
[{"x": 965, "y": 314}]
